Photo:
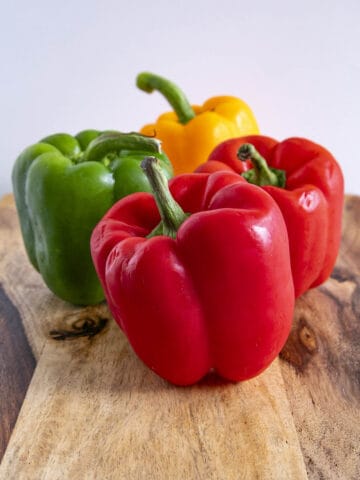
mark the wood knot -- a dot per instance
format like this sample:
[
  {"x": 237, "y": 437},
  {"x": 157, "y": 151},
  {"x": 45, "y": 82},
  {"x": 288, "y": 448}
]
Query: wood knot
[
  {"x": 341, "y": 274},
  {"x": 83, "y": 324},
  {"x": 307, "y": 338},
  {"x": 300, "y": 346}
]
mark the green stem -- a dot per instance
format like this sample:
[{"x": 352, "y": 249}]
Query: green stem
[
  {"x": 114, "y": 142},
  {"x": 261, "y": 174},
  {"x": 172, "y": 215},
  {"x": 148, "y": 82}
]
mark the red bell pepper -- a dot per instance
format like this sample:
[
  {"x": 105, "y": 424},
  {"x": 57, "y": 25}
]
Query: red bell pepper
[
  {"x": 207, "y": 290},
  {"x": 307, "y": 183}
]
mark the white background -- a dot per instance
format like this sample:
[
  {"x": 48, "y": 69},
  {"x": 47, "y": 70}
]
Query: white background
[{"x": 69, "y": 65}]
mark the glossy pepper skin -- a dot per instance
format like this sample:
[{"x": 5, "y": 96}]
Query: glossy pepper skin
[
  {"x": 311, "y": 200},
  {"x": 190, "y": 133},
  {"x": 63, "y": 185},
  {"x": 213, "y": 292}
]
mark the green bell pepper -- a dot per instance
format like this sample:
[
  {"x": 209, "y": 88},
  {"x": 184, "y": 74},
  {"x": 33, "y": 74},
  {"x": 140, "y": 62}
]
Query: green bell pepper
[{"x": 63, "y": 186}]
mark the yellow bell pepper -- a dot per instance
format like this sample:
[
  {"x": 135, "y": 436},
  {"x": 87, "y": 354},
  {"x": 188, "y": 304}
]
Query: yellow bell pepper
[{"x": 190, "y": 133}]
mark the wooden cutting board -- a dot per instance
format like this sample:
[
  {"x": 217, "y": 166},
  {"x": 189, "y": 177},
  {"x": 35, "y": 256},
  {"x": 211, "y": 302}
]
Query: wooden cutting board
[{"x": 94, "y": 411}]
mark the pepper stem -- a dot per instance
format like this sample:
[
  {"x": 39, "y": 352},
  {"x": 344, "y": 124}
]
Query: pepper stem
[
  {"x": 261, "y": 174},
  {"x": 114, "y": 142},
  {"x": 172, "y": 215},
  {"x": 148, "y": 82}
]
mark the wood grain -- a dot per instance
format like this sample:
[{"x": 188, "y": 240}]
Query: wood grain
[
  {"x": 93, "y": 410},
  {"x": 322, "y": 363}
]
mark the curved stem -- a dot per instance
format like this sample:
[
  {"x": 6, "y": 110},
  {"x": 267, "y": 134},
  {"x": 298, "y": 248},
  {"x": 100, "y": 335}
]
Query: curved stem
[
  {"x": 114, "y": 142},
  {"x": 172, "y": 215},
  {"x": 148, "y": 82},
  {"x": 261, "y": 174}
]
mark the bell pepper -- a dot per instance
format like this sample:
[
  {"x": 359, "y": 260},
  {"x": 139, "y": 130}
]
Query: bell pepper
[
  {"x": 307, "y": 183},
  {"x": 190, "y": 133},
  {"x": 209, "y": 289},
  {"x": 63, "y": 185}
]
